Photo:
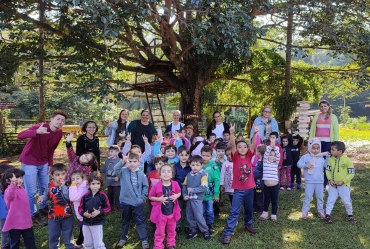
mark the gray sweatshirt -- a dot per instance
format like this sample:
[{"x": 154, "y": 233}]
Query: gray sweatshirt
[
  {"x": 134, "y": 185},
  {"x": 198, "y": 183}
]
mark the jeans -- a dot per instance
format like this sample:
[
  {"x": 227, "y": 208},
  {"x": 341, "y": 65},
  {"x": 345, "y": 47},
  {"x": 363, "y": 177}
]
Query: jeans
[
  {"x": 149, "y": 168},
  {"x": 325, "y": 146},
  {"x": 5, "y": 239},
  {"x": 297, "y": 173},
  {"x": 35, "y": 176},
  {"x": 138, "y": 212},
  {"x": 240, "y": 198},
  {"x": 208, "y": 212},
  {"x": 182, "y": 205},
  {"x": 113, "y": 196},
  {"x": 271, "y": 195},
  {"x": 28, "y": 238},
  {"x": 62, "y": 227}
]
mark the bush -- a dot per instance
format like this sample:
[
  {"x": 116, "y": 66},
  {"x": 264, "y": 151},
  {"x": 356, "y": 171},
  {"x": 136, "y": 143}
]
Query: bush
[{"x": 363, "y": 126}]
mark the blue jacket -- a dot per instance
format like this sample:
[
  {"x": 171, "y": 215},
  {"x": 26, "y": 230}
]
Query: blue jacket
[
  {"x": 180, "y": 173},
  {"x": 3, "y": 209},
  {"x": 318, "y": 173},
  {"x": 258, "y": 174},
  {"x": 259, "y": 121}
]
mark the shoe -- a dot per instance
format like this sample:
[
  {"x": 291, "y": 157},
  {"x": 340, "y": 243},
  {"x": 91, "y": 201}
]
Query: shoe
[
  {"x": 207, "y": 236},
  {"x": 321, "y": 215},
  {"x": 211, "y": 230},
  {"x": 328, "y": 219},
  {"x": 304, "y": 215},
  {"x": 38, "y": 222},
  {"x": 282, "y": 188},
  {"x": 298, "y": 186},
  {"x": 264, "y": 216},
  {"x": 145, "y": 244},
  {"x": 251, "y": 229},
  {"x": 171, "y": 247},
  {"x": 226, "y": 239},
  {"x": 44, "y": 211},
  {"x": 121, "y": 242},
  {"x": 288, "y": 188},
  {"x": 187, "y": 230},
  {"x": 178, "y": 230},
  {"x": 273, "y": 217},
  {"x": 351, "y": 219},
  {"x": 191, "y": 235},
  {"x": 79, "y": 247}
]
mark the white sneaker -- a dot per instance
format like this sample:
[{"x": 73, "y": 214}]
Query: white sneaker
[
  {"x": 288, "y": 189},
  {"x": 282, "y": 188}
]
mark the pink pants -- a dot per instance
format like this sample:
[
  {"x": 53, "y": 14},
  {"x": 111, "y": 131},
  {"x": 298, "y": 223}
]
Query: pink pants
[
  {"x": 285, "y": 172},
  {"x": 168, "y": 222}
]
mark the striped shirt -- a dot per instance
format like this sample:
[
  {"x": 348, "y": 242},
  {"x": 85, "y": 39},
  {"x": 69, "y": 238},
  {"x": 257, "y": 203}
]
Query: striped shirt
[
  {"x": 270, "y": 169},
  {"x": 323, "y": 129}
]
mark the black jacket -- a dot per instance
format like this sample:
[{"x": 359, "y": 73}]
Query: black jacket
[{"x": 100, "y": 202}]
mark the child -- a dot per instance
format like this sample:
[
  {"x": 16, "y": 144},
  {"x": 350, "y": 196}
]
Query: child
[
  {"x": 86, "y": 162},
  {"x": 5, "y": 239},
  {"x": 19, "y": 221},
  {"x": 60, "y": 217},
  {"x": 211, "y": 140},
  {"x": 258, "y": 175},
  {"x": 137, "y": 150},
  {"x": 194, "y": 187},
  {"x": 296, "y": 151},
  {"x": 287, "y": 163},
  {"x": 166, "y": 210},
  {"x": 77, "y": 190},
  {"x": 182, "y": 168},
  {"x": 170, "y": 151},
  {"x": 243, "y": 185},
  {"x": 227, "y": 175},
  {"x": 111, "y": 179},
  {"x": 132, "y": 198},
  {"x": 226, "y": 138},
  {"x": 93, "y": 207},
  {"x": 270, "y": 179},
  {"x": 220, "y": 155},
  {"x": 213, "y": 192},
  {"x": 340, "y": 172},
  {"x": 313, "y": 165}
]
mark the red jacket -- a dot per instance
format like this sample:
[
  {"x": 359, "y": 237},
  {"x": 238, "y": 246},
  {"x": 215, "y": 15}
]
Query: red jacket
[{"x": 156, "y": 191}]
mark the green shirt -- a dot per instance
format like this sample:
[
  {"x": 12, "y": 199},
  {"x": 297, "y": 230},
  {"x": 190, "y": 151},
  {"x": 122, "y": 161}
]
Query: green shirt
[{"x": 213, "y": 173}]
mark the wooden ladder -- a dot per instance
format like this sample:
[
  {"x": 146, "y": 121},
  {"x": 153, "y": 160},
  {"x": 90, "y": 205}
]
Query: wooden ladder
[{"x": 155, "y": 109}]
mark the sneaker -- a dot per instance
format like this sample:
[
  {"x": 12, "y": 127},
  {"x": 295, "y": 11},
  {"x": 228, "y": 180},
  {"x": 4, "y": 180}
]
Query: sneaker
[
  {"x": 178, "y": 230},
  {"x": 211, "y": 230},
  {"x": 145, "y": 244},
  {"x": 121, "y": 242},
  {"x": 264, "y": 216},
  {"x": 321, "y": 215},
  {"x": 191, "y": 235},
  {"x": 298, "y": 186},
  {"x": 304, "y": 215},
  {"x": 328, "y": 219},
  {"x": 288, "y": 188},
  {"x": 351, "y": 219},
  {"x": 282, "y": 188},
  {"x": 79, "y": 247},
  {"x": 171, "y": 247},
  {"x": 44, "y": 211},
  {"x": 251, "y": 229},
  {"x": 207, "y": 236},
  {"x": 226, "y": 239},
  {"x": 274, "y": 217}
]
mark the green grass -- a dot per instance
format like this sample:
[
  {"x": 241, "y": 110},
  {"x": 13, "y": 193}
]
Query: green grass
[
  {"x": 346, "y": 134},
  {"x": 289, "y": 232}
]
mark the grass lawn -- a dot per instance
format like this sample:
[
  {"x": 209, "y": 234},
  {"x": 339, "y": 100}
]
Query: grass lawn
[{"x": 289, "y": 232}]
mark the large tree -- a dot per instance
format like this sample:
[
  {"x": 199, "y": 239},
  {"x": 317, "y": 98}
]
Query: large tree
[{"x": 186, "y": 43}]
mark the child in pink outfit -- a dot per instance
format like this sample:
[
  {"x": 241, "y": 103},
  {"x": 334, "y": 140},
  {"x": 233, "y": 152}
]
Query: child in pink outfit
[
  {"x": 166, "y": 210},
  {"x": 77, "y": 190},
  {"x": 18, "y": 222}
]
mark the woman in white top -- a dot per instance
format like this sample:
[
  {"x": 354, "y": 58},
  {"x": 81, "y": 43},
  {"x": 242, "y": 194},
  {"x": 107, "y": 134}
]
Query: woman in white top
[
  {"x": 117, "y": 129},
  {"x": 175, "y": 125},
  {"x": 217, "y": 126}
]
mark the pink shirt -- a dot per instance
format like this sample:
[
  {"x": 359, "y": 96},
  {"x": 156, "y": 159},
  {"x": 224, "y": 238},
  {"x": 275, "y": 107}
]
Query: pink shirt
[
  {"x": 39, "y": 148},
  {"x": 19, "y": 216},
  {"x": 323, "y": 129},
  {"x": 75, "y": 195},
  {"x": 227, "y": 176},
  {"x": 242, "y": 172}
]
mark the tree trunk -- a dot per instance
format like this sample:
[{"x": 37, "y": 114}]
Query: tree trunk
[
  {"x": 40, "y": 76},
  {"x": 288, "y": 59}
]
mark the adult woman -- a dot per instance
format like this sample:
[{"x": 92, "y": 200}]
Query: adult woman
[
  {"x": 88, "y": 142},
  {"x": 141, "y": 127},
  {"x": 117, "y": 129},
  {"x": 266, "y": 125},
  {"x": 325, "y": 127},
  {"x": 217, "y": 126},
  {"x": 175, "y": 125}
]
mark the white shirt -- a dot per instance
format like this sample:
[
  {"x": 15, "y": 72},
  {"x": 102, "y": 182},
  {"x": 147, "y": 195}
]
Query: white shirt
[
  {"x": 219, "y": 131},
  {"x": 175, "y": 128}
]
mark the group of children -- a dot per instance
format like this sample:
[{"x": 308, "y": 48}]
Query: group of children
[{"x": 184, "y": 186}]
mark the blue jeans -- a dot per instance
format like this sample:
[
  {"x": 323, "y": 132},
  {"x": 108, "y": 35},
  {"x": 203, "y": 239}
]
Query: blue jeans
[
  {"x": 28, "y": 238},
  {"x": 325, "y": 146},
  {"x": 62, "y": 227},
  {"x": 128, "y": 212},
  {"x": 5, "y": 238},
  {"x": 35, "y": 176},
  {"x": 240, "y": 198},
  {"x": 208, "y": 212}
]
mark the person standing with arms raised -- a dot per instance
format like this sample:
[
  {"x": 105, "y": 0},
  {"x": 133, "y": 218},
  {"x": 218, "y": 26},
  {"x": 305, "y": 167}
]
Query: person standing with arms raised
[{"x": 37, "y": 157}]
